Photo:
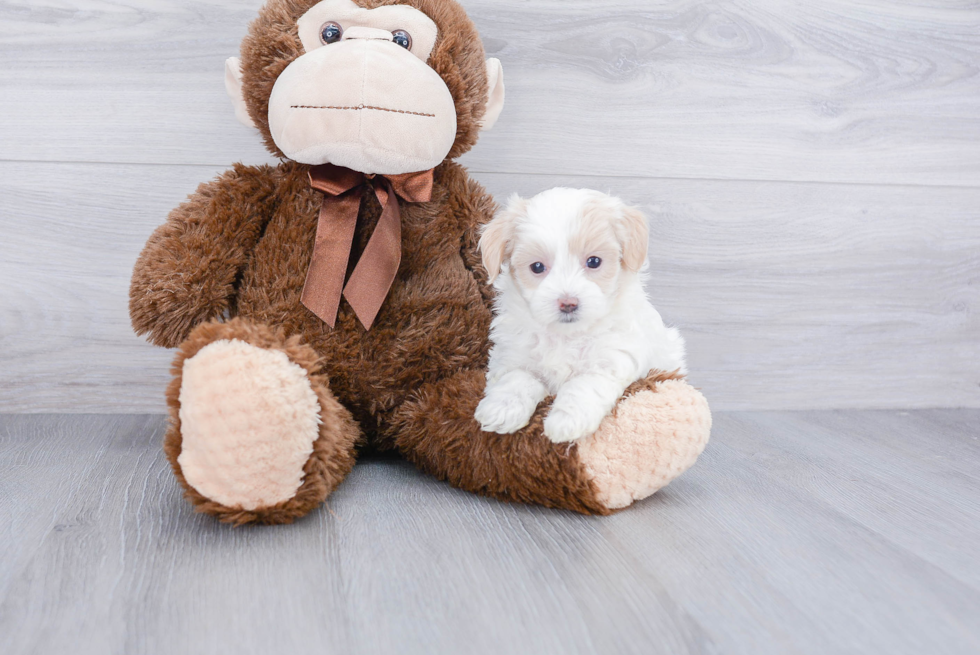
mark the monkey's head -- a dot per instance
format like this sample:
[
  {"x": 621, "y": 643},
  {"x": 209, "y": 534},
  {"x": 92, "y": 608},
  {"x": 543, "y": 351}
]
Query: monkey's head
[{"x": 379, "y": 86}]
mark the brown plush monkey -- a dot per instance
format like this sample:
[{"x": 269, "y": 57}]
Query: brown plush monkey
[{"x": 269, "y": 403}]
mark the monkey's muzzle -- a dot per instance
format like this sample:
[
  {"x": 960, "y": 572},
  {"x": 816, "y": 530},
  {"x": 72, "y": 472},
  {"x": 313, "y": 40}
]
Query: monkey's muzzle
[{"x": 368, "y": 105}]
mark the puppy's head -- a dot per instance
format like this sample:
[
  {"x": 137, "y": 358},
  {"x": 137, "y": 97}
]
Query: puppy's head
[{"x": 567, "y": 252}]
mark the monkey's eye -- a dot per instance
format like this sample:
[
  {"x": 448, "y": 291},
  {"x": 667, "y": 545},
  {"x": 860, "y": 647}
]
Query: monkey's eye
[
  {"x": 593, "y": 262},
  {"x": 538, "y": 268},
  {"x": 402, "y": 38},
  {"x": 331, "y": 32}
]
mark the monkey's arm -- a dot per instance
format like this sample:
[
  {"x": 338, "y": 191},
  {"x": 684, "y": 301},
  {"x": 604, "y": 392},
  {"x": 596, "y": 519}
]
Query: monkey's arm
[
  {"x": 476, "y": 211},
  {"x": 187, "y": 271}
]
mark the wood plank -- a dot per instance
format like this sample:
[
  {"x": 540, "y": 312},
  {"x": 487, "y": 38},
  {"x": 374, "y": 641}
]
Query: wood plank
[
  {"x": 790, "y": 295},
  {"x": 876, "y": 92},
  {"x": 746, "y": 553},
  {"x": 768, "y": 90}
]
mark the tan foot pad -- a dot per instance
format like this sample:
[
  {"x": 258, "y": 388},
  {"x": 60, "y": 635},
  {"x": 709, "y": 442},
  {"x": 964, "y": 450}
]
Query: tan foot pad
[
  {"x": 249, "y": 418},
  {"x": 650, "y": 439}
]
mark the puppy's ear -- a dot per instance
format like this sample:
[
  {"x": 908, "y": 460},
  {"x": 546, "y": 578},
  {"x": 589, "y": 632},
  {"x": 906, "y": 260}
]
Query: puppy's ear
[
  {"x": 634, "y": 236},
  {"x": 496, "y": 235}
]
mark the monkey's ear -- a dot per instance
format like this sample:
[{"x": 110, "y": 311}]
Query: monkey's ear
[
  {"x": 495, "y": 98},
  {"x": 233, "y": 85}
]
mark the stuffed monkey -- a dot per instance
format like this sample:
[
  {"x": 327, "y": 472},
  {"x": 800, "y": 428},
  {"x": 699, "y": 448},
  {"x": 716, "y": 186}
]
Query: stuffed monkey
[{"x": 337, "y": 301}]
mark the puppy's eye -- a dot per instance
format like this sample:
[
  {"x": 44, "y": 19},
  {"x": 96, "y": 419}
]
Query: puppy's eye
[
  {"x": 331, "y": 32},
  {"x": 538, "y": 268},
  {"x": 402, "y": 38},
  {"x": 593, "y": 262}
]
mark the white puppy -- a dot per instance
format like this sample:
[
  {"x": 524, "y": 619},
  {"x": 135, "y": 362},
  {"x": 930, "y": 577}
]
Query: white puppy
[{"x": 572, "y": 318}]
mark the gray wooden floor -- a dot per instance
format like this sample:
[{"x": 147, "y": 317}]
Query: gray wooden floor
[{"x": 797, "y": 532}]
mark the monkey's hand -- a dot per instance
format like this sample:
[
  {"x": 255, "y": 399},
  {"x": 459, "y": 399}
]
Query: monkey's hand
[
  {"x": 187, "y": 271},
  {"x": 480, "y": 208}
]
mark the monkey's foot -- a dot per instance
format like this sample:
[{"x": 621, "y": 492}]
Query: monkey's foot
[
  {"x": 255, "y": 435},
  {"x": 655, "y": 433}
]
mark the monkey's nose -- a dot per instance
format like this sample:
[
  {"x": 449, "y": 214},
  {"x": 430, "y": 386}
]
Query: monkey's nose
[
  {"x": 368, "y": 33},
  {"x": 568, "y": 304}
]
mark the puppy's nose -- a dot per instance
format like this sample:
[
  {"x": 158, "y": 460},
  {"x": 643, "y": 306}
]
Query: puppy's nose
[{"x": 567, "y": 304}]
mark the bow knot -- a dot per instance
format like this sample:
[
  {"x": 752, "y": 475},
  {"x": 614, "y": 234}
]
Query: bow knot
[{"x": 377, "y": 266}]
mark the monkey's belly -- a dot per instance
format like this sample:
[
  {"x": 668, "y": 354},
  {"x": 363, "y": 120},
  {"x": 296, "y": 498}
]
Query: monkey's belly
[{"x": 432, "y": 324}]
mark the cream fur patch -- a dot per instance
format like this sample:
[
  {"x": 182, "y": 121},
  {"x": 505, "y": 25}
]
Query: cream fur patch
[
  {"x": 249, "y": 418},
  {"x": 652, "y": 439}
]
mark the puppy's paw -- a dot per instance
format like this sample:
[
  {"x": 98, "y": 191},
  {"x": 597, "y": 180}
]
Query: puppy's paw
[
  {"x": 563, "y": 425},
  {"x": 503, "y": 414}
]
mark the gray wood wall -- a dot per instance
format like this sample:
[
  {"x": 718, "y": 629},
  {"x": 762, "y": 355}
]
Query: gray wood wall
[{"x": 812, "y": 171}]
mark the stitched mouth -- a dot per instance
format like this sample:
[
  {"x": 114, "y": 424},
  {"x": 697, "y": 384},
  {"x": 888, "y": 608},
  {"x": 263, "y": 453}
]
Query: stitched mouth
[{"x": 362, "y": 108}]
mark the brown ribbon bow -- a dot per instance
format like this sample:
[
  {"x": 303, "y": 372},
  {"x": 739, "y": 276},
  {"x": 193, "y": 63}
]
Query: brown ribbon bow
[{"x": 376, "y": 269}]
